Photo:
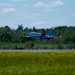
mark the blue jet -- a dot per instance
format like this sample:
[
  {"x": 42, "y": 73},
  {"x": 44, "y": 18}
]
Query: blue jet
[{"x": 42, "y": 35}]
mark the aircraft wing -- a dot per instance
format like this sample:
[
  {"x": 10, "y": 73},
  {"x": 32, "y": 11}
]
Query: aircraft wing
[{"x": 33, "y": 34}]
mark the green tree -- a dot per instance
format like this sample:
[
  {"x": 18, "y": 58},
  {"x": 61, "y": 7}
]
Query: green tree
[{"x": 5, "y": 34}]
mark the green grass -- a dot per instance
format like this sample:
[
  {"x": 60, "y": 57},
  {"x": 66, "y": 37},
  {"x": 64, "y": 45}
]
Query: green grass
[{"x": 52, "y": 63}]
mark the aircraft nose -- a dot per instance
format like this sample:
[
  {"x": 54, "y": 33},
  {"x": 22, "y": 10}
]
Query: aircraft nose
[{"x": 27, "y": 34}]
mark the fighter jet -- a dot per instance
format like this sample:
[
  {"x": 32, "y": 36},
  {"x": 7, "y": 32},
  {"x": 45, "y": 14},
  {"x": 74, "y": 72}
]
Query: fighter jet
[{"x": 43, "y": 35}]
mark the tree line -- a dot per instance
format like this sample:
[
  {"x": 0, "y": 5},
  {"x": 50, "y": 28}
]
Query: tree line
[{"x": 14, "y": 38}]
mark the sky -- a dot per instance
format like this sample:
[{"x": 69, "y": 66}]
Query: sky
[{"x": 38, "y": 13}]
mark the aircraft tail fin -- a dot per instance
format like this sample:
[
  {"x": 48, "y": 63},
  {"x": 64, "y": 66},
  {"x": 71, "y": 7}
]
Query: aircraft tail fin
[{"x": 50, "y": 32}]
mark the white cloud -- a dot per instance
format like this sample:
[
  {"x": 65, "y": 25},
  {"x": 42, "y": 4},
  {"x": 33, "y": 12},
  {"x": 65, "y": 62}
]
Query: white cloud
[
  {"x": 48, "y": 10},
  {"x": 56, "y": 3},
  {"x": 18, "y": 0},
  {"x": 39, "y": 4},
  {"x": 6, "y": 5},
  {"x": 8, "y": 10},
  {"x": 50, "y": 4}
]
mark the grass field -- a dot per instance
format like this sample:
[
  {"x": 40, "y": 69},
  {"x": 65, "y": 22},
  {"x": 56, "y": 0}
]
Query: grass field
[{"x": 37, "y": 63}]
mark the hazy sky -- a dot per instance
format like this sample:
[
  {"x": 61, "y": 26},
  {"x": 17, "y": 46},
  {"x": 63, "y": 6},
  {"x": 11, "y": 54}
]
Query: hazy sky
[{"x": 38, "y": 13}]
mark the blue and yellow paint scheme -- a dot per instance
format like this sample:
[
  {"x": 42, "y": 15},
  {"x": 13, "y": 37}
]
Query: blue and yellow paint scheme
[{"x": 42, "y": 35}]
